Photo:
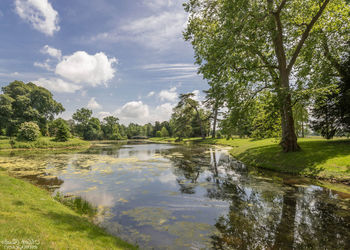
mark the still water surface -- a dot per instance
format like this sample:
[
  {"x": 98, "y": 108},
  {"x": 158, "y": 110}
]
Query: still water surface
[{"x": 163, "y": 196}]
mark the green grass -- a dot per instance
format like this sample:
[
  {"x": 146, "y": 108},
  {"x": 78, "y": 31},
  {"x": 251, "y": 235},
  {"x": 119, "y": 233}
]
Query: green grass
[
  {"x": 30, "y": 213},
  {"x": 41, "y": 143},
  {"x": 78, "y": 204},
  {"x": 320, "y": 158}
]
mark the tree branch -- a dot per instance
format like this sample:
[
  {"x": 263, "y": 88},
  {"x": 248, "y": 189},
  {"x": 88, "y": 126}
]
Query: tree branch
[
  {"x": 305, "y": 35},
  {"x": 269, "y": 66},
  {"x": 281, "y": 6}
]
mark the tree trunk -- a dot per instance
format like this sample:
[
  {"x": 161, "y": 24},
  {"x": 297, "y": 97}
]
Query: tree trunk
[
  {"x": 200, "y": 124},
  {"x": 214, "y": 123},
  {"x": 289, "y": 139}
]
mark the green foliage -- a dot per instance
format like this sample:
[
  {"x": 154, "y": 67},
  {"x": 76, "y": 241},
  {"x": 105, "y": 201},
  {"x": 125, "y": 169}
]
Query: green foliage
[
  {"x": 164, "y": 132},
  {"x": 42, "y": 143},
  {"x": 327, "y": 116},
  {"x": 331, "y": 109},
  {"x": 159, "y": 134},
  {"x": 262, "y": 45},
  {"x": 22, "y": 102},
  {"x": 87, "y": 127},
  {"x": 267, "y": 121},
  {"x": 62, "y": 134},
  {"x": 93, "y": 130},
  {"x": 187, "y": 114},
  {"x": 301, "y": 119},
  {"x": 29, "y": 131},
  {"x": 110, "y": 128},
  {"x": 53, "y": 126},
  {"x": 78, "y": 204},
  {"x": 47, "y": 221},
  {"x": 319, "y": 158}
]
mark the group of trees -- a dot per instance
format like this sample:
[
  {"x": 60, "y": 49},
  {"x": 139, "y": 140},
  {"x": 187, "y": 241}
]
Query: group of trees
[
  {"x": 88, "y": 127},
  {"x": 275, "y": 68},
  {"x": 270, "y": 63},
  {"x": 22, "y": 102},
  {"x": 28, "y": 111}
]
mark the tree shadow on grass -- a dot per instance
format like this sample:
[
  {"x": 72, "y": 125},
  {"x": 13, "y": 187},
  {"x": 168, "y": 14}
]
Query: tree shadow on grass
[
  {"x": 307, "y": 161},
  {"x": 74, "y": 223}
]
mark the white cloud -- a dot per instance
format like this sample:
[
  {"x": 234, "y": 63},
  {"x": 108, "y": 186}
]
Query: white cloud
[
  {"x": 174, "y": 71},
  {"x": 138, "y": 112},
  {"x": 93, "y": 104},
  {"x": 196, "y": 96},
  {"x": 168, "y": 95},
  {"x": 101, "y": 115},
  {"x": 81, "y": 67},
  {"x": 158, "y": 4},
  {"x": 171, "y": 67},
  {"x": 150, "y": 94},
  {"x": 134, "y": 110},
  {"x": 57, "y": 85},
  {"x": 163, "y": 112},
  {"x": 157, "y": 31},
  {"x": 40, "y": 14},
  {"x": 56, "y": 53},
  {"x": 44, "y": 65}
]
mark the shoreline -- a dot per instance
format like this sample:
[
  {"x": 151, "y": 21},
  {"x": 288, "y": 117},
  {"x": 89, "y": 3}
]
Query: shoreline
[
  {"x": 241, "y": 154},
  {"x": 30, "y": 212}
]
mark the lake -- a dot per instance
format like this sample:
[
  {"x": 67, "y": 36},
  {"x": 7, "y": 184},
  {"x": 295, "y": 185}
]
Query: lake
[{"x": 163, "y": 196}]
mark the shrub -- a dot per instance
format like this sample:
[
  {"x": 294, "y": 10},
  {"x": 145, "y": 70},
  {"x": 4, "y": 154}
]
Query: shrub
[
  {"x": 164, "y": 132},
  {"x": 62, "y": 131},
  {"x": 28, "y": 131},
  {"x": 158, "y": 134}
]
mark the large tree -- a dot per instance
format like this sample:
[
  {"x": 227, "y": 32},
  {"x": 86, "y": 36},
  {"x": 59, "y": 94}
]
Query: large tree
[
  {"x": 258, "y": 44},
  {"x": 22, "y": 102},
  {"x": 214, "y": 101},
  {"x": 187, "y": 102}
]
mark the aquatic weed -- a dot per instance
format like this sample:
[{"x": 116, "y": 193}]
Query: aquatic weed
[{"x": 78, "y": 204}]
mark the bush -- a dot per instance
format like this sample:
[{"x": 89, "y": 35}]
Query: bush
[
  {"x": 62, "y": 132},
  {"x": 158, "y": 134},
  {"x": 164, "y": 132},
  {"x": 28, "y": 131}
]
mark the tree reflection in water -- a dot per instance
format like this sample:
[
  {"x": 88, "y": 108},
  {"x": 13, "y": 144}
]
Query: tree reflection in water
[{"x": 263, "y": 213}]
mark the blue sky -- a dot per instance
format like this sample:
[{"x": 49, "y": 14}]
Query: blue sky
[{"x": 116, "y": 57}]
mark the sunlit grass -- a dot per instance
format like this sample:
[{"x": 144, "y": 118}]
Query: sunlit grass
[
  {"x": 78, "y": 204},
  {"x": 42, "y": 142},
  {"x": 30, "y": 213}
]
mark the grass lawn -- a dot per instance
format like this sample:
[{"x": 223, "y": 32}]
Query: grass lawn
[
  {"x": 30, "y": 214},
  {"x": 42, "y": 142},
  {"x": 320, "y": 158}
]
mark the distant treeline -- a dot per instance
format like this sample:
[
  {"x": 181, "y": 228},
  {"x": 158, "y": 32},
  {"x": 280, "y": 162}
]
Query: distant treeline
[{"x": 22, "y": 104}]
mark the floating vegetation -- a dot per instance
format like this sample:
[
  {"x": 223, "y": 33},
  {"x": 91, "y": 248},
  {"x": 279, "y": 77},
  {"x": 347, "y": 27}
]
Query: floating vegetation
[
  {"x": 188, "y": 234},
  {"x": 192, "y": 234},
  {"x": 152, "y": 216},
  {"x": 123, "y": 200},
  {"x": 192, "y": 186}
]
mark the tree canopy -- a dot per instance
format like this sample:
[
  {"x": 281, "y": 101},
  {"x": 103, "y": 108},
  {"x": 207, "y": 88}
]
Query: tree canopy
[
  {"x": 266, "y": 45},
  {"x": 22, "y": 102}
]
